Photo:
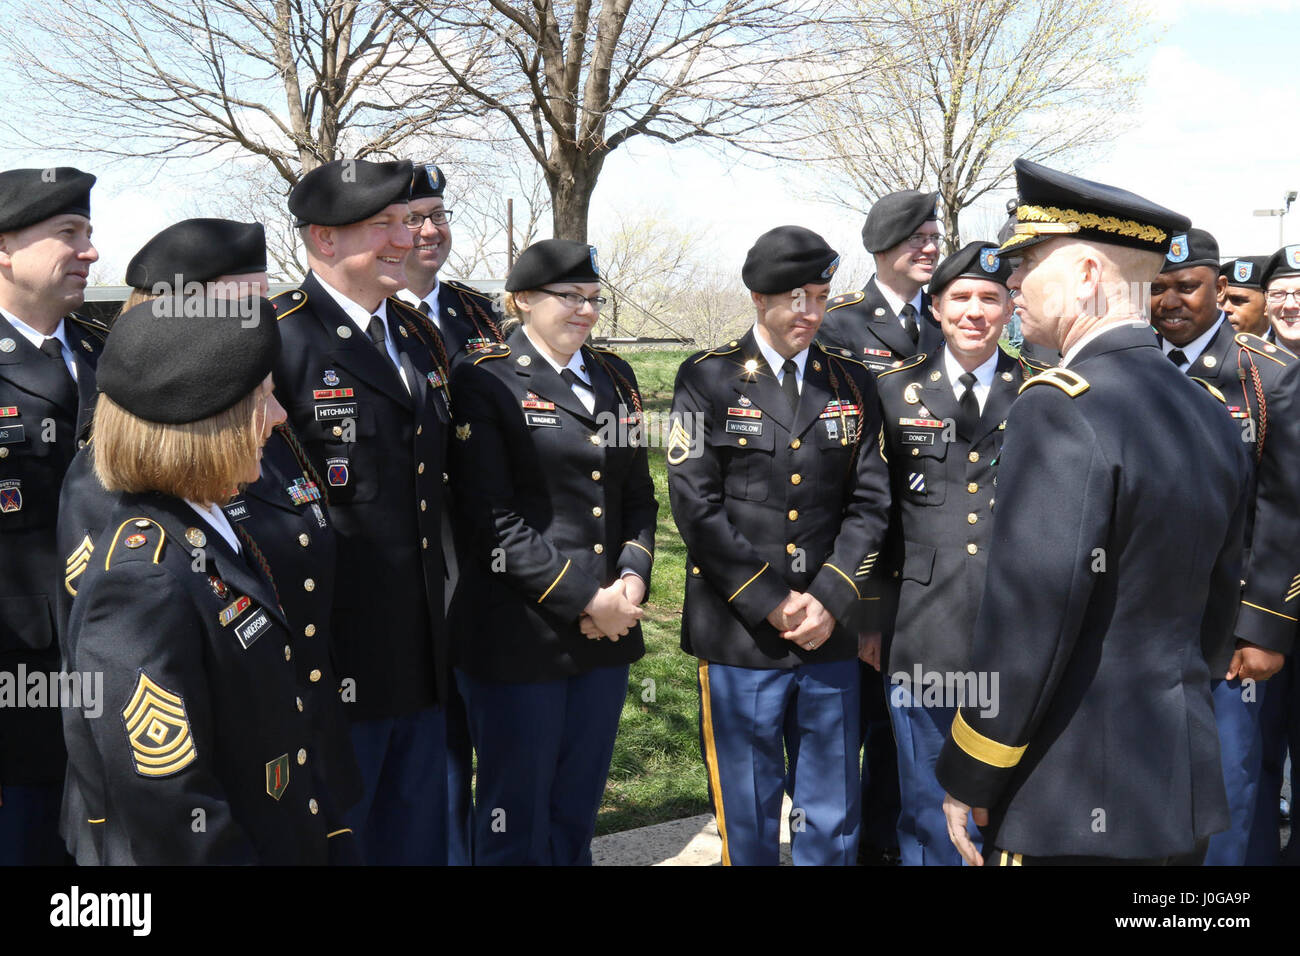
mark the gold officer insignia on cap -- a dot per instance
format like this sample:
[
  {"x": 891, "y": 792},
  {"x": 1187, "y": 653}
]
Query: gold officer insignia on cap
[
  {"x": 462, "y": 432},
  {"x": 196, "y": 537},
  {"x": 158, "y": 729},
  {"x": 77, "y": 562}
]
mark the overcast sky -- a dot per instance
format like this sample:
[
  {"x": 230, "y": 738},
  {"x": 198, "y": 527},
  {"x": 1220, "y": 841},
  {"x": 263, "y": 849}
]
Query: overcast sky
[{"x": 1217, "y": 136}]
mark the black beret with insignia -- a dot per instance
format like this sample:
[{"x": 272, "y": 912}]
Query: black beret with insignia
[
  {"x": 895, "y": 217},
  {"x": 175, "y": 370},
  {"x": 1195, "y": 247},
  {"x": 1246, "y": 272},
  {"x": 427, "y": 181},
  {"x": 1054, "y": 204},
  {"x": 786, "y": 258},
  {"x": 975, "y": 260},
  {"x": 349, "y": 190},
  {"x": 553, "y": 260},
  {"x": 29, "y": 196},
  {"x": 198, "y": 250},
  {"x": 1284, "y": 262}
]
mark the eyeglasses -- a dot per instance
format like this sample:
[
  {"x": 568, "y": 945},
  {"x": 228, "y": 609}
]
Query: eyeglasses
[
  {"x": 1278, "y": 296},
  {"x": 920, "y": 240},
  {"x": 574, "y": 301},
  {"x": 415, "y": 220}
]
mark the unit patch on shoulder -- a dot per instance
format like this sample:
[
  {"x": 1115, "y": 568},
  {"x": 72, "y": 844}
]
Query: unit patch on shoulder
[{"x": 158, "y": 730}]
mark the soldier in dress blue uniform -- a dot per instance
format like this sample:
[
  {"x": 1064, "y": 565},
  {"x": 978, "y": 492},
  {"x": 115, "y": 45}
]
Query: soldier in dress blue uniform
[
  {"x": 203, "y": 752},
  {"x": 1279, "y": 717},
  {"x": 1259, "y": 383},
  {"x": 466, "y": 319},
  {"x": 558, "y": 518},
  {"x": 944, "y": 418},
  {"x": 47, "y": 390},
  {"x": 1242, "y": 301},
  {"x": 363, "y": 377},
  {"x": 1103, "y": 619},
  {"x": 778, "y": 482}
]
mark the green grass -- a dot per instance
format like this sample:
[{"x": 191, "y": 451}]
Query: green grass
[{"x": 657, "y": 773}]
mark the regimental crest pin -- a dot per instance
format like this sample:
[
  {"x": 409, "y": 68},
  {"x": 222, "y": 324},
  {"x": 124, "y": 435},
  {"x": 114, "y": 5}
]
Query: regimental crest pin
[
  {"x": 830, "y": 269},
  {"x": 1242, "y": 271},
  {"x": 331, "y": 377},
  {"x": 990, "y": 261},
  {"x": 219, "y": 587},
  {"x": 462, "y": 432},
  {"x": 744, "y": 401},
  {"x": 1177, "y": 248}
]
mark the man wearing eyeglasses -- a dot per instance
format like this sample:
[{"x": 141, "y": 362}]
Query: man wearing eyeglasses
[
  {"x": 364, "y": 381},
  {"x": 889, "y": 320},
  {"x": 1259, "y": 385},
  {"x": 1281, "y": 278},
  {"x": 464, "y": 316}
]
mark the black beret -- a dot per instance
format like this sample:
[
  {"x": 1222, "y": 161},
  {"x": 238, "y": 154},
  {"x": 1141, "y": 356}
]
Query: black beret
[
  {"x": 349, "y": 190},
  {"x": 1195, "y": 247},
  {"x": 553, "y": 260},
  {"x": 788, "y": 257},
  {"x": 1284, "y": 262},
  {"x": 895, "y": 217},
  {"x": 1246, "y": 272},
  {"x": 29, "y": 196},
  {"x": 198, "y": 250},
  {"x": 1053, "y": 203},
  {"x": 976, "y": 260},
  {"x": 175, "y": 370},
  {"x": 427, "y": 181}
]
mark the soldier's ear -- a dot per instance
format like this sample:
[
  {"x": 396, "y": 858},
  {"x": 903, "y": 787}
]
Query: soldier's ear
[
  {"x": 1220, "y": 288},
  {"x": 760, "y": 301},
  {"x": 5, "y": 259},
  {"x": 322, "y": 240}
]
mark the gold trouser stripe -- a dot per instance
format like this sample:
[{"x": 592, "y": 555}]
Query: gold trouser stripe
[
  {"x": 1018, "y": 860},
  {"x": 983, "y": 748},
  {"x": 747, "y": 583},
  {"x": 1003, "y": 861},
  {"x": 641, "y": 546},
  {"x": 846, "y": 578},
  {"x": 556, "y": 581},
  {"x": 1267, "y": 611},
  {"x": 711, "y": 758},
  {"x": 338, "y": 833}
]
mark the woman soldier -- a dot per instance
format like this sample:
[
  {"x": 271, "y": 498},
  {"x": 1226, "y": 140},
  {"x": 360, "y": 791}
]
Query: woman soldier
[
  {"x": 202, "y": 753},
  {"x": 558, "y": 512}
]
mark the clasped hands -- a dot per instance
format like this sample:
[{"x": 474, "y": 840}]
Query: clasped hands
[
  {"x": 614, "y": 609},
  {"x": 803, "y": 619}
]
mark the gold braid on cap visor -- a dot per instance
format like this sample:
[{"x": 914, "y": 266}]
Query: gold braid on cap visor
[{"x": 1028, "y": 219}]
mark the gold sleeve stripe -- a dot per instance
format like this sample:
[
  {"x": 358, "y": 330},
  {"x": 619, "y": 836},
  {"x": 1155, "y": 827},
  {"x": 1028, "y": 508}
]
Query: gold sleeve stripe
[
  {"x": 330, "y": 836},
  {"x": 983, "y": 748},
  {"x": 846, "y": 578},
  {"x": 556, "y": 581},
  {"x": 1267, "y": 611},
  {"x": 747, "y": 583},
  {"x": 100, "y": 820},
  {"x": 711, "y": 759},
  {"x": 641, "y": 546}
]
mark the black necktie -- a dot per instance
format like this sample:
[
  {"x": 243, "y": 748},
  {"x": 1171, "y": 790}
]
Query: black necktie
[
  {"x": 1177, "y": 357},
  {"x": 570, "y": 376},
  {"x": 376, "y": 332},
  {"x": 969, "y": 404},
  {"x": 53, "y": 349},
  {"x": 909, "y": 323},
  {"x": 789, "y": 386},
  {"x": 425, "y": 307}
]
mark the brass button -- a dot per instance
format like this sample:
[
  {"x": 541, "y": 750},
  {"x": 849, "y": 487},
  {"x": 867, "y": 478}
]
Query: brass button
[
  {"x": 599, "y": 549},
  {"x": 419, "y": 469},
  {"x": 594, "y": 439},
  {"x": 310, "y": 630},
  {"x": 795, "y": 479},
  {"x": 338, "y": 430},
  {"x": 743, "y": 441},
  {"x": 695, "y": 569},
  {"x": 790, "y": 548},
  {"x": 972, "y": 518},
  {"x": 424, "y": 543},
  {"x": 4, "y": 452},
  {"x": 972, "y": 487},
  {"x": 446, "y": 478},
  {"x": 313, "y": 806},
  {"x": 916, "y": 451},
  {"x": 419, "y": 429},
  {"x": 302, "y": 757},
  {"x": 288, "y": 652},
  {"x": 81, "y": 443},
  {"x": 304, "y": 539},
  {"x": 299, "y": 702},
  {"x": 595, "y": 476},
  {"x": 596, "y": 512},
  {"x": 793, "y": 515},
  {"x": 795, "y": 443},
  {"x": 972, "y": 548},
  {"x": 309, "y": 585},
  {"x": 973, "y": 457},
  {"x": 991, "y": 500},
  {"x": 424, "y": 505},
  {"x": 314, "y": 677}
]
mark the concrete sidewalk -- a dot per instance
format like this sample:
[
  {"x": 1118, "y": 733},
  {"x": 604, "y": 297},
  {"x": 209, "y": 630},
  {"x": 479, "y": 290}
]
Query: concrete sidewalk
[{"x": 692, "y": 841}]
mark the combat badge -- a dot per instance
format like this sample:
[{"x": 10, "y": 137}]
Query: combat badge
[{"x": 158, "y": 730}]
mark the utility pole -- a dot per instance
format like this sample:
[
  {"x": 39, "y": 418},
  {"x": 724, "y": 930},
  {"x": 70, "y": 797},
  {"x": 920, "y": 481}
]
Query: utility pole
[{"x": 1287, "y": 198}]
